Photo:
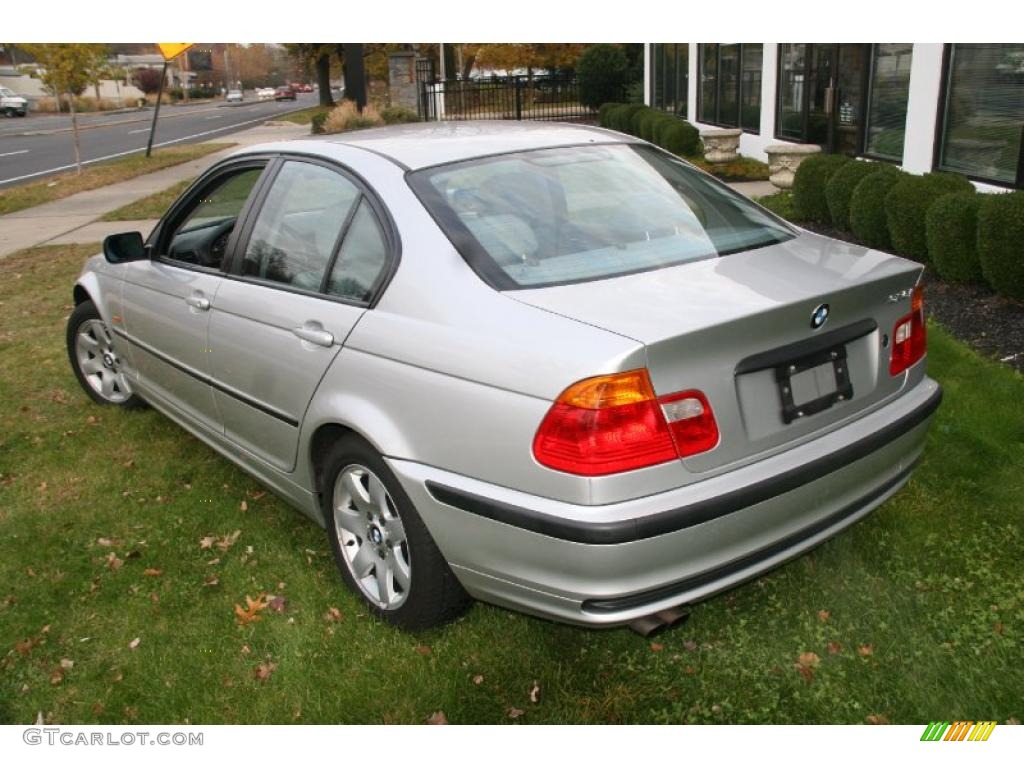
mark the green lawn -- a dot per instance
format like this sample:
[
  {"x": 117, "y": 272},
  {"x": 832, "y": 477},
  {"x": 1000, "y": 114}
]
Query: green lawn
[
  {"x": 152, "y": 207},
  {"x": 302, "y": 116},
  {"x": 101, "y": 174},
  {"x": 913, "y": 615}
]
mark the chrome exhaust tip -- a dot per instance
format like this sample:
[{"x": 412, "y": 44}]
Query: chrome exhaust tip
[{"x": 656, "y": 623}]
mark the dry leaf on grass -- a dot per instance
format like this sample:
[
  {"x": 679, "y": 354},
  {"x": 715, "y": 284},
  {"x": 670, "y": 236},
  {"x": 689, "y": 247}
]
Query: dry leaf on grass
[
  {"x": 514, "y": 713},
  {"x": 66, "y": 663},
  {"x": 877, "y": 720},
  {"x": 534, "y": 693},
  {"x": 206, "y": 542},
  {"x": 477, "y": 679},
  {"x": 835, "y": 647},
  {"x": 276, "y": 603},
  {"x": 333, "y": 614},
  {"x": 224, "y": 543},
  {"x": 244, "y": 506},
  {"x": 865, "y": 650},
  {"x": 152, "y": 572},
  {"x": 824, "y": 615},
  {"x": 437, "y": 718},
  {"x": 114, "y": 562},
  {"x": 264, "y": 671},
  {"x": 806, "y": 663},
  {"x": 252, "y": 610},
  {"x": 134, "y": 643},
  {"x": 423, "y": 650},
  {"x": 657, "y": 647}
]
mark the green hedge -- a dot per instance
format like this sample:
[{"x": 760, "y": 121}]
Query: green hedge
[
  {"x": 666, "y": 130},
  {"x": 867, "y": 206},
  {"x": 809, "y": 186},
  {"x": 621, "y": 116},
  {"x": 839, "y": 190},
  {"x": 1001, "y": 242},
  {"x": 951, "y": 226},
  {"x": 680, "y": 138},
  {"x": 906, "y": 205}
]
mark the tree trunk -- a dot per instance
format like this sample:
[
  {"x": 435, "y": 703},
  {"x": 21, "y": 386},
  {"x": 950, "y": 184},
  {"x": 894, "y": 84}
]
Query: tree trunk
[
  {"x": 467, "y": 65},
  {"x": 74, "y": 132},
  {"x": 323, "y": 79}
]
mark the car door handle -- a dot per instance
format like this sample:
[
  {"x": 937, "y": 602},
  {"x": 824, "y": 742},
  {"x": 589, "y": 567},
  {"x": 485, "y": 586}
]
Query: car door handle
[
  {"x": 198, "y": 302},
  {"x": 314, "y": 335}
]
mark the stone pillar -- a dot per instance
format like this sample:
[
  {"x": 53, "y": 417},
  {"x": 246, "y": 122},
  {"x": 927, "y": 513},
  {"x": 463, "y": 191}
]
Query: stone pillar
[
  {"x": 721, "y": 145},
  {"x": 784, "y": 159},
  {"x": 402, "y": 85}
]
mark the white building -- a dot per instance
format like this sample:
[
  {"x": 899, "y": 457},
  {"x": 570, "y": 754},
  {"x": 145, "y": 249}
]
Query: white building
[{"x": 924, "y": 106}]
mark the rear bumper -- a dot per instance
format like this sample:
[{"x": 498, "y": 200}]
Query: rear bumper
[{"x": 607, "y": 565}]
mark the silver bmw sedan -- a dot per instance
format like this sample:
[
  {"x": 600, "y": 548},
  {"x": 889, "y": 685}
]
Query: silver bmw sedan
[{"x": 550, "y": 367}]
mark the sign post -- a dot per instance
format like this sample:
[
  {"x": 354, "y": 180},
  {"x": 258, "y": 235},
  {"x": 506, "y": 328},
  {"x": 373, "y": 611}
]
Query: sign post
[{"x": 168, "y": 51}]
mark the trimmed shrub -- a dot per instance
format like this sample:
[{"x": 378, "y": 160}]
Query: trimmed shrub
[
  {"x": 395, "y": 114},
  {"x": 951, "y": 227},
  {"x": 317, "y": 121},
  {"x": 1000, "y": 235},
  {"x": 867, "y": 206},
  {"x": 604, "y": 112},
  {"x": 621, "y": 118},
  {"x": 679, "y": 137},
  {"x": 637, "y": 119},
  {"x": 906, "y": 205},
  {"x": 839, "y": 190},
  {"x": 651, "y": 122},
  {"x": 602, "y": 72},
  {"x": 809, "y": 186}
]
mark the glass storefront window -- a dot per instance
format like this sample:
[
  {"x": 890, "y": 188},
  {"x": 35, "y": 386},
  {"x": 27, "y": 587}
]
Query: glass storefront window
[
  {"x": 792, "y": 81},
  {"x": 887, "y": 103},
  {"x": 670, "y": 64},
  {"x": 730, "y": 85},
  {"x": 983, "y": 112}
]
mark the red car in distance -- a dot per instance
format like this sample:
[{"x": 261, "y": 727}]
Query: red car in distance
[{"x": 284, "y": 93}]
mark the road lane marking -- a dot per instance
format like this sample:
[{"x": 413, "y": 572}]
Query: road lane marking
[
  {"x": 19, "y": 152},
  {"x": 133, "y": 151},
  {"x": 140, "y": 130}
]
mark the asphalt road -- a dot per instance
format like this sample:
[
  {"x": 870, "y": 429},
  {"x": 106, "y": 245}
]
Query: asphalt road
[{"x": 40, "y": 145}]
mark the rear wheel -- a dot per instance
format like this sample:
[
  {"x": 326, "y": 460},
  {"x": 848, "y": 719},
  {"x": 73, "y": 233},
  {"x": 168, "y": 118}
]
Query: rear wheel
[
  {"x": 95, "y": 359},
  {"x": 382, "y": 548}
]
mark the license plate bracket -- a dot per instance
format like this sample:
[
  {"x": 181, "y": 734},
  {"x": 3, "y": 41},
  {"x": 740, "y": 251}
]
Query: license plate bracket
[{"x": 836, "y": 357}]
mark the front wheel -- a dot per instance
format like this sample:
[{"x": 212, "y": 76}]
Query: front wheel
[
  {"x": 96, "y": 360},
  {"x": 382, "y": 548}
]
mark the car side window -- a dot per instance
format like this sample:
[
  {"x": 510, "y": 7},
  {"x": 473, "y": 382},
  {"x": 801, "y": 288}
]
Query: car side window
[
  {"x": 298, "y": 226},
  {"x": 361, "y": 260},
  {"x": 201, "y": 238}
]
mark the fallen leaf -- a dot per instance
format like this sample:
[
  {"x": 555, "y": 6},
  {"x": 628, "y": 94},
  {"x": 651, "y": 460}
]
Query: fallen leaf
[
  {"x": 24, "y": 647},
  {"x": 211, "y": 581},
  {"x": 57, "y": 677},
  {"x": 42, "y": 486},
  {"x": 244, "y": 506},
  {"x": 690, "y": 645},
  {"x": 46, "y": 629},
  {"x": 437, "y": 718},
  {"x": 657, "y": 647},
  {"x": 835, "y": 647},
  {"x": 206, "y": 542},
  {"x": 129, "y": 464},
  {"x": 824, "y": 615},
  {"x": 423, "y": 650},
  {"x": 514, "y": 713},
  {"x": 152, "y": 572},
  {"x": 252, "y": 610},
  {"x": 257, "y": 495},
  {"x": 105, "y": 542},
  {"x": 877, "y": 720},
  {"x": 226, "y": 542},
  {"x": 865, "y": 650},
  {"x": 807, "y": 673},
  {"x": 246, "y": 650},
  {"x": 264, "y": 671},
  {"x": 534, "y": 693},
  {"x": 998, "y": 628},
  {"x": 66, "y": 663},
  {"x": 114, "y": 562},
  {"x": 477, "y": 679},
  {"x": 134, "y": 643},
  {"x": 808, "y": 659},
  {"x": 333, "y": 614},
  {"x": 98, "y": 708},
  {"x": 276, "y": 603}
]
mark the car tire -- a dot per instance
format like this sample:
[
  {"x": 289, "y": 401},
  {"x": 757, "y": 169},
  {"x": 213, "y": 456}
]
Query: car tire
[
  {"x": 10, "y": 112},
  {"x": 379, "y": 539},
  {"x": 95, "y": 360}
]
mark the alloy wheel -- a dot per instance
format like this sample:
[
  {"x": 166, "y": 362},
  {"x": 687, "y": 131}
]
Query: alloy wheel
[{"x": 99, "y": 362}]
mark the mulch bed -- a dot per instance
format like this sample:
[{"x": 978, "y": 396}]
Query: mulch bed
[{"x": 990, "y": 324}]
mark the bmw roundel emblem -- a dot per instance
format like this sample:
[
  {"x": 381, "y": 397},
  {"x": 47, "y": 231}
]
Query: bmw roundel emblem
[{"x": 819, "y": 316}]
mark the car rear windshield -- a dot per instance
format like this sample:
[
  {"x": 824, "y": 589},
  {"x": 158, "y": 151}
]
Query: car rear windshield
[{"x": 572, "y": 214}]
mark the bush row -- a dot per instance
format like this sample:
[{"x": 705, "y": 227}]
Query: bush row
[
  {"x": 936, "y": 218},
  {"x": 666, "y": 130}
]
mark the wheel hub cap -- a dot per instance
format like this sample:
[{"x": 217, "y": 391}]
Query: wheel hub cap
[{"x": 98, "y": 362}]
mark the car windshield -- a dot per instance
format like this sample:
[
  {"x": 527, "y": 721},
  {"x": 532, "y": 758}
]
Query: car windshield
[
  {"x": 572, "y": 214},
  {"x": 6, "y": 92}
]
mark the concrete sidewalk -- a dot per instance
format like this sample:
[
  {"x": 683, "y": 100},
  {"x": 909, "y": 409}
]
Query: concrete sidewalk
[{"x": 73, "y": 219}]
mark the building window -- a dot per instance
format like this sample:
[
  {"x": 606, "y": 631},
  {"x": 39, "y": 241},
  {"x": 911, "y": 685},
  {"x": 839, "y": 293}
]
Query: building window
[
  {"x": 982, "y": 128},
  {"x": 887, "y": 100},
  {"x": 671, "y": 77},
  {"x": 792, "y": 82},
  {"x": 730, "y": 85}
]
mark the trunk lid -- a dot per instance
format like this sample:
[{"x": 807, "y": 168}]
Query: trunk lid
[{"x": 739, "y": 328}]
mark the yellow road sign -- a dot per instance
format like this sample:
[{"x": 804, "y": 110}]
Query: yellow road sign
[{"x": 170, "y": 50}]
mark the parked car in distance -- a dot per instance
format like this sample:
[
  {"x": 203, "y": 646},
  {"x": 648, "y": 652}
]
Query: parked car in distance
[
  {"x": 265, "y": 94},
  {"x": 11, "y": 104},
  {"x": 284, "y": 93},
  {"x": 547, "y": 366},
  {"x": 301, "y": 87},
  {"x": 235, "y": 95}
]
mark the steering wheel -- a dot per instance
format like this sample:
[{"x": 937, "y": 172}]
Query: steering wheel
[{"x": 211, "y": 249}]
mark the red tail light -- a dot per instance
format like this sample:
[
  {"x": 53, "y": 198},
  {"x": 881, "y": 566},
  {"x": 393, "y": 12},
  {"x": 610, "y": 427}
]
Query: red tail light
[
  {"x": 909, "y": 338},
  {"x": 615, "y": 423}
]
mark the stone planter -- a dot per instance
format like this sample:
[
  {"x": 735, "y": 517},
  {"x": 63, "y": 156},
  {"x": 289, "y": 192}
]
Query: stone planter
[
  {"x": 784, "y": 159},
  {"x": 721, "y": 145}
]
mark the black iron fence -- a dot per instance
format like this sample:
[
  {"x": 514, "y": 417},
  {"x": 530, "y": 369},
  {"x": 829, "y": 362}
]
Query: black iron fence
[{"x": 518, "y": 97}]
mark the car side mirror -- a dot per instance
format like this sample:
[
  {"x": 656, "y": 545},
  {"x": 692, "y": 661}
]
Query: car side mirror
[{"x": 126, "y": 246}]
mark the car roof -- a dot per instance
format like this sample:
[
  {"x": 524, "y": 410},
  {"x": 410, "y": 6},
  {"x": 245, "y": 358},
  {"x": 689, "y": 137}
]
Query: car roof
[{"x": 419, "y": 145}]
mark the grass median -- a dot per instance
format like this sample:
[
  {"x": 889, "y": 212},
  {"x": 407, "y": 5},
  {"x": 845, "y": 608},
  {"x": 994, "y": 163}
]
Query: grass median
[
  {"x": 125, "y": 545},
  {"x": 100, "y": 175},
  {"x": 151, "y": 207}
]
